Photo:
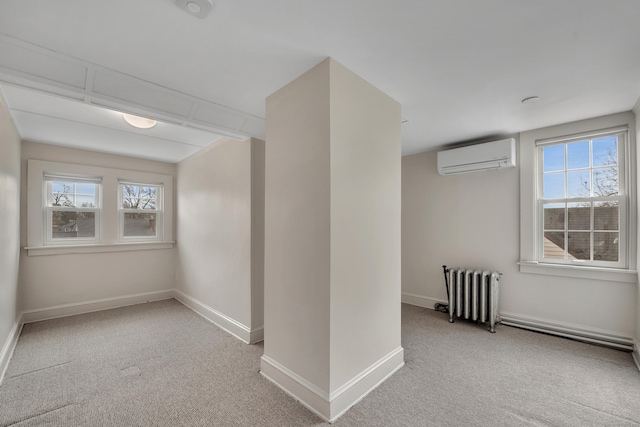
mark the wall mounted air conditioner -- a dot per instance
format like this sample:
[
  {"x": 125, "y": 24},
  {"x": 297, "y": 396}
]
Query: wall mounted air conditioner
[{"x": 480, "y": 157}]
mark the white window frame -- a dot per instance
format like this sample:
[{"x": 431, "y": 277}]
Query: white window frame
[
  {"x": 621, "y": 198},
  {"x": 108, "y": 229},
  {"x": 530, "y": 219},
  {"x": 49, "y": 178},
  {"x": 158, "y": 211}
]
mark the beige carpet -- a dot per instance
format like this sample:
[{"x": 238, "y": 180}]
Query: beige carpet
[{"x": 160, "y": 364}]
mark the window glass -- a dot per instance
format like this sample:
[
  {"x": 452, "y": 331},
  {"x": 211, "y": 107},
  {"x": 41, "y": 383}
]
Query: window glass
[
  {"x": 554, "y": 158},
  {"x": 73, "y": 225},
  {"x": 140, "y": 210},
  {"x": 578, "y": 155},
  {"x": 72, "y": 209},
  {"x": 583, "y": 179}
]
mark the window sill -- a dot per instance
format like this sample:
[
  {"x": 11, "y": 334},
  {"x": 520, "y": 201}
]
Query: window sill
[
  {"x": 581, "y": 272},
  {"x": 97, "y": 248}
]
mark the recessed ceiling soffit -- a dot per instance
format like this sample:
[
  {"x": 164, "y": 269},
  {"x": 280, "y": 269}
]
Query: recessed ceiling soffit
[{"x": 28, "y": 65}]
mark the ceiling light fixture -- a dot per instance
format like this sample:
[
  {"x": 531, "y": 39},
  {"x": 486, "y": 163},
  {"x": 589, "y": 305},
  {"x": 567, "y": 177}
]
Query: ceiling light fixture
[
  {"x": 198, "y": 8},
  {"x": 531, "y": 100},
  {"x": 138, "y": 122}
]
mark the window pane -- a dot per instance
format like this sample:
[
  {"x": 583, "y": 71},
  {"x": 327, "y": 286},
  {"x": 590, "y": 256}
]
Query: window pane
[
  {"x": 553, "y": 186},
  {"x": 61, "y": 193},
  {"x": 62, "y": 187},
  {"x": 579, "y": 185},
  {"x": 579, "y": 245},
  {"x": 554, "y": 245},
  {"x": 605, "y": 151},
  {"x": 553, "y": 158},
  {"x": 605, "y": 181},
  {"x": 578, "y": 155},
  {"x": 73, "y": 194},
  {"x": 85, "y": 202},
  {"x": 579, "y": 216},
  {"x": 72, "y": 225},
  {"x": 139, "y": 196},
  {"x": 606, "y": 216},
  {"x": 139, "y": 224},
  {"x": 146, "y": 204},
  {"x": 85, "y": 188},
  {"x": 554, "y": 216},
  {"x": 606, "y": 246},
  {"x": 130, "y": 202}
]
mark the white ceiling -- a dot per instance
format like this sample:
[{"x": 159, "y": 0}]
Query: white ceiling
[
  {"x": 50, "y": 119},
  {"x": 460, "y": 68}
]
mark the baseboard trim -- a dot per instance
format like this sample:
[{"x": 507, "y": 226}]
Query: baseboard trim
[
  {"x": 9, "y": 346},
  {"x": 368, "y": 380},
  {"x": 65, "y": 310},
  {"x": 420, "y": 300},
  {"x": 636, "y": 353},
  {"x": 568, "y": 330},
  {"x": 221, "y": 320},
  {"x": 256, "y": 335},
  {"x": 314, "y": 399},
  {"x": 330, "y": 407}
]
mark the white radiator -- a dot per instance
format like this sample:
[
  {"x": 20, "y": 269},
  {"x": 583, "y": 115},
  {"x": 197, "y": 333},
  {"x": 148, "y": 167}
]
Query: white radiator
[{"x": 473, "y": 295}]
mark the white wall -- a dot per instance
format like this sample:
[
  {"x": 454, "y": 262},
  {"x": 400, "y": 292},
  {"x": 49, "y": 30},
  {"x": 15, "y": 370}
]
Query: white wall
[
  {"x": 219, "y": 228},
  {"x": 9, "y": 227},
  {"x": 469, "y": 220},
  {"x": 473, "y": 220},
  {"x": 365, "y": 225},
  {"x": 52, "y": 280},
  {"x": 636, "y": 110},
  {"x": 297, "y": 227}
]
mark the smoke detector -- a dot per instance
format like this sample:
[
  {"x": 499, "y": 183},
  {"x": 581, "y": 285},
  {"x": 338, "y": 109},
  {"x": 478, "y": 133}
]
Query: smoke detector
[{"x": 198, "y": 8}]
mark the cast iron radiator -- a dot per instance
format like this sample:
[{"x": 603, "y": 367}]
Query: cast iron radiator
[{"x": 473, "y": 295}]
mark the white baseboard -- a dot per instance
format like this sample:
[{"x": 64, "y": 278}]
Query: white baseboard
[
  {"x": 9, "y": 346},
  {"x": 256, "y": 335},
  {"x": 636, "y": 353},
  {"x": 94, "y": 305},
  {"x": 331, "y": 406},
  {"x": 223, "y": 321},
  {"x": 420, "y": 300},
  {"x": 569, "y": 330}
]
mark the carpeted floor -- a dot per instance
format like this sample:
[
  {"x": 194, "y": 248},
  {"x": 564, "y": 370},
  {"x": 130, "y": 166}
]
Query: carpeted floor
[{"x": 160, "y": 364}]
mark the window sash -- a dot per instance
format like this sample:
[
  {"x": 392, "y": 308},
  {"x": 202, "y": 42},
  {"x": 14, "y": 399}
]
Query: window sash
[
  {"x": 622, "y": 235},
  {"x": 49, "y": 209},
  {"x": 158, "y": 212}
]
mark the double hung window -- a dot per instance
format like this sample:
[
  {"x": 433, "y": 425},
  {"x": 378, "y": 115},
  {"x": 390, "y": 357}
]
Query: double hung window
[
  {"x": 582, "y": 199},
  {"x": 72, "y": 209},
  {"x": 140, "y": 211}
]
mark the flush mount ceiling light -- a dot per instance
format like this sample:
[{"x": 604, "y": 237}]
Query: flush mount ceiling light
[
  {"x": 198, "y": 8},
  {"x": 138, "y": 122},
  {"x": 531, "y": 100}
]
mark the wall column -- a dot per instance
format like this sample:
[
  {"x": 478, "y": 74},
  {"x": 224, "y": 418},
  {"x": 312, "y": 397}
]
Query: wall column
[{"x": 332, "y": 239}]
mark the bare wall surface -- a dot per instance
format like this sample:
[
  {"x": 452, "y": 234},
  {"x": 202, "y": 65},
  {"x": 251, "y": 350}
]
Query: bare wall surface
[
  {"x": 52, "y": 280},
  {"x": 636, "y": 110},
  {"x": 9, "y": 223},
  {"x": 473, "y": 220},
  {"x": 297, "y": 227},
  {"x": 257, "y": 233},
  {"x": 214, "y": 228},
  {"x": 365, "y": 225}
]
